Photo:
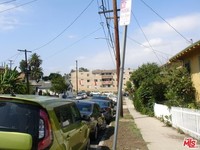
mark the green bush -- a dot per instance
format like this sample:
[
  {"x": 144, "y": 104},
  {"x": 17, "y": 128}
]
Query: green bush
[{"x": 170, "y": 86}]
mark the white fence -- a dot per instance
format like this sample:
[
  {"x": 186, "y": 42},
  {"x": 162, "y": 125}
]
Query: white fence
[{"x": 185, "y": 119}]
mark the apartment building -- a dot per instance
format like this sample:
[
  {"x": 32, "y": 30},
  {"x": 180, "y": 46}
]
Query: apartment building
[{"x": 98, "y": 80}]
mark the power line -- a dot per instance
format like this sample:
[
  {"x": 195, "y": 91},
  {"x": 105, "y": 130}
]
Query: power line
[
  {"x": 17, "y": 6},
  {"x": 6, "y": 2},
  {"x": 146, "y": 37},
  {"x": 166, "y": 22},
  {"x": 59, "y": 33},
  {"x": 107, "y": 24},
  {"x": 75, "y": 42},
  {"x": 108, "y": 40},
  {"x": 53, "y": 39}
]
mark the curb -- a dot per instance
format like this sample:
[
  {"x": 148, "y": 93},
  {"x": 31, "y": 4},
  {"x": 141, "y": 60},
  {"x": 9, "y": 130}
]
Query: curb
[{"x": 101, "y": 143}]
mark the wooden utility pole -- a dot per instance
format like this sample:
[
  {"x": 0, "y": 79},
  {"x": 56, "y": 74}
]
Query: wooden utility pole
[
  {"x": 27, "y": 70},
  {"x": 117, "y": 48},
  {"x": 76, "y": 77}
]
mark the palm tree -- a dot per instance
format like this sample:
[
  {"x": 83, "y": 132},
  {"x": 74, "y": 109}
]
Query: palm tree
[{"x": 34, "y": 65}]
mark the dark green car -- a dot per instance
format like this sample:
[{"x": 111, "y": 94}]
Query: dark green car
[
  {"x": 90, "y": 111},
  {"x": 39, "y": 122}
]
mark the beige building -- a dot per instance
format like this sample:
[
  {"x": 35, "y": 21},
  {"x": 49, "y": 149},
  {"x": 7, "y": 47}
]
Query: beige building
[
  {"x": 98, "y": 80},
  {"x": 190, "y": 58}
]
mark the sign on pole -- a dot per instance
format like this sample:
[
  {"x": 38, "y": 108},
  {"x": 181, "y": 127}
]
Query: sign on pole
[{"x": 125, "y": 12}]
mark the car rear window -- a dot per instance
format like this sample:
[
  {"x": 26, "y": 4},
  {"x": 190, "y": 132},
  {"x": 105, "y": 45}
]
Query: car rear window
[
  {"x": 19, "y": 117},
  {"x": 102, "y": 103},
  {"x": 84, "y": 107}
]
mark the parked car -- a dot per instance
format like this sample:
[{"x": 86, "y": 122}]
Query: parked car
[
  {"x": 30, "y": 122},
  {"x": 105, "y": 97},
  {"x": 91, "y": 112},
  {"x": 81, "y": 96},
  {"x": 106, "y": 108}
]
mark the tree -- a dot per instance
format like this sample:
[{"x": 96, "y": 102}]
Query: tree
[
  {"x": 10, "y": 82},
  {"x": 180, "y": 91},
  {"x": 146, "y": 82},
  {"x": 81, "y": 69},
  {"x": 171, "y": 86},
  {"x": 22, "y": 66},
  {"x": 54, "y": 75},
  {"x": 145, "y": 72},
  {"x": 59, "y": 85},
  {"x": 34, "y": 67}
]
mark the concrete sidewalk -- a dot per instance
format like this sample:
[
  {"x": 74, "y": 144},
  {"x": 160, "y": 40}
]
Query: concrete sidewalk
[{"x": 157, "y": 135}]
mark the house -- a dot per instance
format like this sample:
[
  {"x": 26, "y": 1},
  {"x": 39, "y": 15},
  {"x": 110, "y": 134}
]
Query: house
[{"x": 190, "y": 58}]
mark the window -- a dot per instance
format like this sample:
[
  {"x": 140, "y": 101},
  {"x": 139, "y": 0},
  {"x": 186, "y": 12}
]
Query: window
[
  {"x": 187, "y": 66},
  {"x": 199, "y": 63},
  {"x": 64, "y": 115},
  {"x": 75, "y": 113},
  {"x": 88, "y": 80},
  {"x": 96, "y": 109}
]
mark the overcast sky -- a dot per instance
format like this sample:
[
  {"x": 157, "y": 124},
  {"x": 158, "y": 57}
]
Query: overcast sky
[{"x": 63, "y": 31}]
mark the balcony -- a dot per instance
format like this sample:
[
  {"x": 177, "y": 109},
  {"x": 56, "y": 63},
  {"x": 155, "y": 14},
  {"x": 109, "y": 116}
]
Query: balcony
[
  {"x": 107, "y": 82},
  {"x": 107, "y": 76}
]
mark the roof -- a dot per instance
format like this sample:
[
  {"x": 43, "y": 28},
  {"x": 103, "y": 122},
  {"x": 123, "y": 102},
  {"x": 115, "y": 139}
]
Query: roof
[
  {"x": 193, "y": 47},
  {"x": 103, "y": 71},
  {"x": 45, "y": 101}
]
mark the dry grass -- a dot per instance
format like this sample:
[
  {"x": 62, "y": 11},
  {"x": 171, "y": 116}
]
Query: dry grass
[{"x": 129, "y": 136}]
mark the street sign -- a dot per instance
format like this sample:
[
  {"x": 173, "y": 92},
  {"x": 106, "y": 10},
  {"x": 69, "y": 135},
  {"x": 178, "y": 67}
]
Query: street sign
[{"x": 125, "y": 12}]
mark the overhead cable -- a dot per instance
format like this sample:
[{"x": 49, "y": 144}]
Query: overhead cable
[
  {"x": 6, "y": 2},
  {"x": 166, "y": 22},
  {"x": 53, "y": 39},
  {"x": 75, "y": 42},
  {"x": 146, "y": 38},
  {"x": 17, "y": 6}
]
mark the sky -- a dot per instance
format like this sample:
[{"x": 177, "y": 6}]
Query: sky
[{"x": 63, "y": 31}]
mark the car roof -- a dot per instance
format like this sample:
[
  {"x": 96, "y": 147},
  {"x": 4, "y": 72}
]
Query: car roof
[
  {"x": 103, "y": 100},
  {"x": 84, "y": 101},
  {"x": 44, "y": 101}
]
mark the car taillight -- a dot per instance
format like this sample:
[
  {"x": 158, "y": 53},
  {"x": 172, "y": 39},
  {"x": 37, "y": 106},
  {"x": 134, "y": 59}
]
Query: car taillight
[{"x": 45, "y": 135}]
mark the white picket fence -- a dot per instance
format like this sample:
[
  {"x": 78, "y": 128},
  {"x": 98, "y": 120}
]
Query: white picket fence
[{"x": 185, "y": 119}]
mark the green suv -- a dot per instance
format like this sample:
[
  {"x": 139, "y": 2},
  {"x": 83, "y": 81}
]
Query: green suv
[{"x": 30, "y": 122}]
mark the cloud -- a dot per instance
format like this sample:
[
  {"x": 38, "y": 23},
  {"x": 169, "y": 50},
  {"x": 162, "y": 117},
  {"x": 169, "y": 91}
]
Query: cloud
[
  {"x": 181, "y": 24},
  {"x": 164, "y": 41},
  {"x": 101, "y": 60},
  {"x": 8, "y": 21}
]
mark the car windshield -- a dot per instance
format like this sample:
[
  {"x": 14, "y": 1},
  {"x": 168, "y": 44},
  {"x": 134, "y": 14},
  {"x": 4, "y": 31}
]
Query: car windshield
[
  {"x": 84, "y": 107},
  {"x": 18, "y": 117}
]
